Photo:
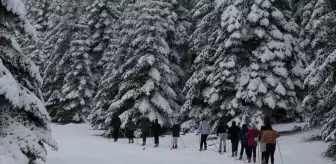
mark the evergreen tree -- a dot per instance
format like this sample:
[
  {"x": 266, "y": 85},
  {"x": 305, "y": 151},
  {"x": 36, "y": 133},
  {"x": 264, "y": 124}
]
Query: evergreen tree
[
  {"x": 215, "y": 41},
  {"x": 308, "y": 14},
  {"x": 320, "y": 82},
  {"x": 38, "y": 12},
  {"x": 24, "y": 122},
  {"x": 247, "y": 62},
  {"x": 207, "y": 21},
  {"x": 145, "y": 75},
  {"x": 275, "y": 69},
  {"x": 68, "y": 84},
  {"x": 101, "y": 18},
  {"x": 230, "y": 58}
]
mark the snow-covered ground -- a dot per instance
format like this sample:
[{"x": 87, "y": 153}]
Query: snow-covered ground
[{"x": 80, "y": 145}]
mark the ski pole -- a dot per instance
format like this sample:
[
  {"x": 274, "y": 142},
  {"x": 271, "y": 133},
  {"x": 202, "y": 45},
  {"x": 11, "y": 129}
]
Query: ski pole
[
  {"x": 165, "y": 142},
  {"x": 215, "y": 145},
  {"x": 182, "y": 142},
  {"x": 280, "y": 152}
]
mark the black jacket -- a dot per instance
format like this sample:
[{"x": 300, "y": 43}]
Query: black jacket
[
  {"x": 234, "y": 132},
  {"x": 130, "y": 125},
  {"x": 222, "y": 129},
  {"x": 144, "y": 125},
  {"x": 176, "y": 130},
  {"x": 116, "y": 122},
  {"x": 156, "y": 127}
]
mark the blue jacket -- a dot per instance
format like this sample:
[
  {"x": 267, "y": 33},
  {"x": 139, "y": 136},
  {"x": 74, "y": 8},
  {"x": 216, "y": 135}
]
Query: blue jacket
[{"x": 242, "y": 135}]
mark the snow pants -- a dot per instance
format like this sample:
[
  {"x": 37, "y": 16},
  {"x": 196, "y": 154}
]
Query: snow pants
[
  {"x": 222, "y": 141},
  {"x": 156, "y": 138},
  {"x": 263, "y": 151},
  {"x": 250, "y": 150},
  {"x": 130, "y": 134},
  {"x": 270, "y": 150},
  {"x": 234, "y": 145},
  {"x": 174, "y": 140},
  {"x": 115, "y": 134},
  {"x": 243, "y": 147},
  {"x": 144, "y": 137},
  {"x": 203, "y": 141}
]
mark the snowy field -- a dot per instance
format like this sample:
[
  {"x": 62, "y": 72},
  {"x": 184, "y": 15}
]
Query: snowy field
[{"x": 80, "y": 145}]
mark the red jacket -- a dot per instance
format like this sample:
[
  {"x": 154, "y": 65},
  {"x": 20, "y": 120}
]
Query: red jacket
[{"x": 251, "y": 135}]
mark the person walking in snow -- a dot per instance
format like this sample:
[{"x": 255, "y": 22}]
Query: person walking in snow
[
  {"x": 269, "y": 137},
  {"x": 130, "y": 126},
  {"x": 176, "y": 133},
  {"x": 156, "y": 128},
  {"x": 243, "y": 140},
  {"x": 222, "y": 130},
  {"x": 204, "y": 130},
  {"x": 145, "y": 128},
  {"x": 233, "y": 132},
  {"x": 252, "y": 137},
  {"x": 116, "y": 123}
]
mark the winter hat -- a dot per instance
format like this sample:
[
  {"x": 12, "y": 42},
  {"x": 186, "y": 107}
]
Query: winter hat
[{"x": 203, "y": 119}]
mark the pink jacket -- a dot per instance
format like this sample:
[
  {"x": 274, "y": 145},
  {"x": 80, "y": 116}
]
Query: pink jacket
[{"x": 251, "y": 135}]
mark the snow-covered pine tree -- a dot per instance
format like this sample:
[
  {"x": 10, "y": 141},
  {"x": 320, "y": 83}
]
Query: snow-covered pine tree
[
  {"x": 24, "y": 121},
  {"x": 183, "y": 28},
  {"x": 38, "y": 12},
  {"x": 230, "y": 58},
  {"x": 207, "y": 20},
  {"x": 68, "y": 82},
  {"x": 308, "y": 14},
  {"x": 146, "y": 75},
  {"x": 217, "y": 41},
  {"x": 274, "y": 72},
  {"x": 321, "y": 81},
  {"x": 101, "y": 18}
]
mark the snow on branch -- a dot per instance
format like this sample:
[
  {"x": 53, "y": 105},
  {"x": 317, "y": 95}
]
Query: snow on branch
[{"x": 17, "y": 7}]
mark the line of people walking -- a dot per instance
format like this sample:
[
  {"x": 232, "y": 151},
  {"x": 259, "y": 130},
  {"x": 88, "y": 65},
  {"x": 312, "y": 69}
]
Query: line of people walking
[
  {"x": 248, "y": 136},
  {"x": 147, "y": 128}
]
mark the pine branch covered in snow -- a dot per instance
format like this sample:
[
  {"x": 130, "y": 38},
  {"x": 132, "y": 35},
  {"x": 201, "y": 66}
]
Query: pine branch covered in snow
[{"x": 24, "y": 121}]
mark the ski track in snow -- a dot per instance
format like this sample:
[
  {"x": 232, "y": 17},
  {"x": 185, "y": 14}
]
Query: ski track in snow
[{"x": 80, "y": 145}]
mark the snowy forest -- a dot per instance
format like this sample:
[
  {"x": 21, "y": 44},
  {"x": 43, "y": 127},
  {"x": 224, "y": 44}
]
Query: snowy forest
[{"x": 76, "y": 61}]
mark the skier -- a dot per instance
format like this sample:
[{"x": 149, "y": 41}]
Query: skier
[
  {"x": 176, "y": 133},
  {"x": 222, "y": 133},
  {"x": 130, "y": 126},
  {"x": 116, "y": 122},
  {"x": 233, "y": 132},
  {"x": 204, "y": 129},
  {"x": 243, "y": 140},
  {"x": 262, "y": 145},
  {"x": 269, "y": 138},
  {"x": 145, "y": 127},
  {"x": 252, "y": 136},
  {"x": 156, "y": 127}
]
